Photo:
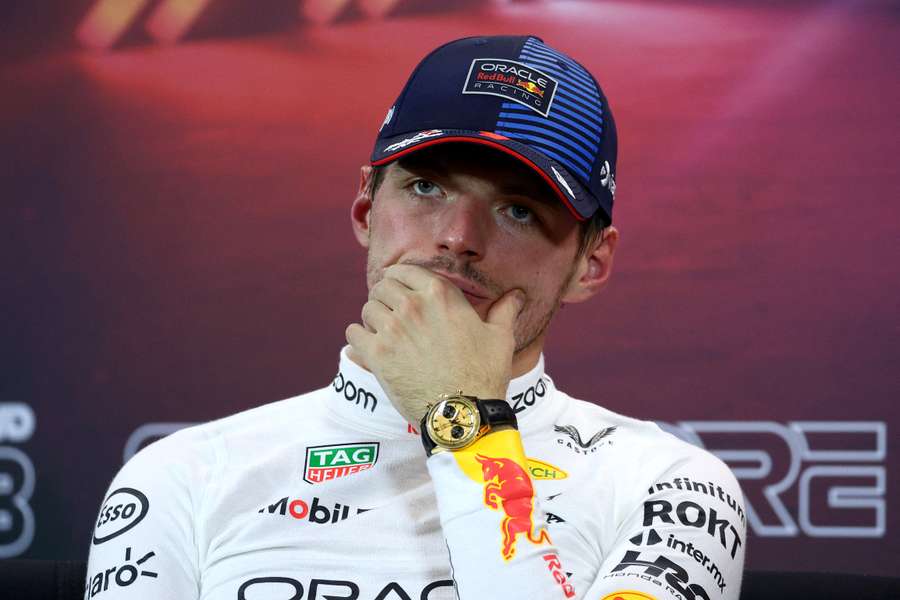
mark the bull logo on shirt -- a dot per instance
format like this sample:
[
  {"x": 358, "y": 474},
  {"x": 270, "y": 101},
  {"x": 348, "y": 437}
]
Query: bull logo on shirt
[{"x": 508, "y": 489}]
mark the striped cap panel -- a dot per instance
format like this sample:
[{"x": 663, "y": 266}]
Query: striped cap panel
[{"x": 575, "y": 121}]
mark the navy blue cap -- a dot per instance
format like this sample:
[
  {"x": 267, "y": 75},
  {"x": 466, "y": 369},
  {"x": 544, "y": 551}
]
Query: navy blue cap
[{"x": 520, "y": 96}]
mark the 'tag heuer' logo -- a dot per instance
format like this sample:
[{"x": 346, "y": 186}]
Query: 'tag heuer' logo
[
  {"x": 324, "y": 463},
  {"x": 511, "y": 80}
]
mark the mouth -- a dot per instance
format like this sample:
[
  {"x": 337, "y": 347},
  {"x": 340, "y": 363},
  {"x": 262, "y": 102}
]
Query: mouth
[{"x": 474, "y": 293}]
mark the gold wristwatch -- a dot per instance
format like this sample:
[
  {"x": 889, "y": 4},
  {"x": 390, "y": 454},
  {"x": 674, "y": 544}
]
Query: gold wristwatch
[{"x": 457, "y": 420}]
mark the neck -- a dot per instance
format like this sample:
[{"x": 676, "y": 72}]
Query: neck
[{"x": 523, "y": 361}]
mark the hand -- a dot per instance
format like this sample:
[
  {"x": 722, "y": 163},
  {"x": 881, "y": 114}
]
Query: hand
[{"x": 422, "y": 338}]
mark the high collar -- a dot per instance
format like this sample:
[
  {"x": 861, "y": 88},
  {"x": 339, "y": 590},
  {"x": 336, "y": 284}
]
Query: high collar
[{"x": 358, "y": 400}]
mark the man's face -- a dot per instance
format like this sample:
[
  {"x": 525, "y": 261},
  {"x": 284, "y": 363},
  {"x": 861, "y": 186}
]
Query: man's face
[{"x": 481, "y": 219}]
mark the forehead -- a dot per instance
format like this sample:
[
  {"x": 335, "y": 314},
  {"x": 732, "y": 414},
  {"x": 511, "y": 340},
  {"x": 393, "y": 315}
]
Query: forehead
[{"x": 501, "y": 171}]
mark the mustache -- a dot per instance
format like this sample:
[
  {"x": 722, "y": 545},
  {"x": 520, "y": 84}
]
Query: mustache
[{"x": 462, "y": 269}]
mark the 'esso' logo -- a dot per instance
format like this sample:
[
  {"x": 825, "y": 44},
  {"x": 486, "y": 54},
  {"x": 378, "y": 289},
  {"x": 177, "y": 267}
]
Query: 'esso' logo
[{"x": 122, "y": 510}]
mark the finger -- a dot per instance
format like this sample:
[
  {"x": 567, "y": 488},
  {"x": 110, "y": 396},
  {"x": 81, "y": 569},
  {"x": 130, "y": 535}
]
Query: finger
[
  {"x": 359, "y": 339},
  {"x": 375, "y": 315},
  {"x": 505, "y": 310},
  {"x": 412, "y": 276},
  {"x": 389, "y": 292}
]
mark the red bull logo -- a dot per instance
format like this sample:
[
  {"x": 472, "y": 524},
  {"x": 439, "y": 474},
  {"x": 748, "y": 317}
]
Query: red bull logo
[
  {"x": 629, "y": 595},
  {"x": 508, "y": 489},
  {"x": 530, "y": 87}
]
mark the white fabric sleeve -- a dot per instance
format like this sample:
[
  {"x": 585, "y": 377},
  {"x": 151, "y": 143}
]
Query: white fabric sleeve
[
  {"x": 683, "y": 538},
  {"x": 493, "y": 523},
  {"x": 143, "y": 542}
]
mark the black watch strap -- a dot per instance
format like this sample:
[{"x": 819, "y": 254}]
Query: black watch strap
[
  {"x": 497, "y": 412},
  {"x": 494, "y": 414}
]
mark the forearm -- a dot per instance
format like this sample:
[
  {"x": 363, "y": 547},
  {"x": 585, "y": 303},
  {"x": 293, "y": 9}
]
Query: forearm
[{"x": 493, "y": 523}]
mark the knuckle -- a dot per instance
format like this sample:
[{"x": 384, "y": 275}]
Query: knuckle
[
  {"x": 391, "y": 328},
  {"x": 407, "y": 304}
]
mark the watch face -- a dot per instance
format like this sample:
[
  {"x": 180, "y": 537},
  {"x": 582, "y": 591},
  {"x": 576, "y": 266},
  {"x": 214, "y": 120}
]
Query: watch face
[{"x": 454, "y": 422}]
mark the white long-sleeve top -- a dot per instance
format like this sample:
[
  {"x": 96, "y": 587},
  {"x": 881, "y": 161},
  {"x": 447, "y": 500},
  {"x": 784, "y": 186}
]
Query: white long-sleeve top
[{"x": 330, "y": 496}]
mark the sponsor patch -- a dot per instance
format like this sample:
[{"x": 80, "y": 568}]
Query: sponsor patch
[
  {"x": 687, "y": 548},
  {"x": 288, "y": 587},
  {"x": 663, "y": 572},
  {"x": 121, "y": 575},
  {"x": 122, "y": 510},
  {"x": 691, "y": 514},
  {"x": 580, "y": 446},
  {"x": 422, "y": 135},
  {"x": 704, "y": 487},
  {"x": 352, "y": 392},
  {"x": 511, "y": 80},
  {"x": 628, "y": 595},
  {"x": 555, "y": 568},
  {"x": 314, "y": 512},
  {"x": 607, "y": 179},
  {"x": 562, "y": 181},
  {"x": 525, "y": 400},
  {"x": 554, "y": 518},
  {"x": 539, "y": 469},
  {"x": 497, "y": 463},
  {"x": 324, "y": 463},
  {"x": 387, "y": 118}
]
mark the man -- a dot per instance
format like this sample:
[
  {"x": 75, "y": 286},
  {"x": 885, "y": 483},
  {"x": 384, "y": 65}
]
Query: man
[{"x": 442, "y": 461}]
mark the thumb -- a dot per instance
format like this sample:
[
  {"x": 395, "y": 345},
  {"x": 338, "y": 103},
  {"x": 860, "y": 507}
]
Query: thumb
[{"x": 506, "y": 309}]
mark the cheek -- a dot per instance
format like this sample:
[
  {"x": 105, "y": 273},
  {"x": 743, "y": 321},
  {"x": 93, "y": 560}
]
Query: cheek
[
  {"x": 542, "y": 280},
  {"x": 392, "y": 237}
]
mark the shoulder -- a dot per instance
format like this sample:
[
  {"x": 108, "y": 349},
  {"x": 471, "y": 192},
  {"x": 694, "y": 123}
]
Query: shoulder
[
  {"x": 640, "y": 447},
  {"x": 196, "y": 452}
]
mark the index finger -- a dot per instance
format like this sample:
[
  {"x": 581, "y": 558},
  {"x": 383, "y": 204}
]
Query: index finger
[{"x": 412, "y": 276}]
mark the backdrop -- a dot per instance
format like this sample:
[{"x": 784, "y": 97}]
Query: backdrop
[{"x": 176, "y": 181}]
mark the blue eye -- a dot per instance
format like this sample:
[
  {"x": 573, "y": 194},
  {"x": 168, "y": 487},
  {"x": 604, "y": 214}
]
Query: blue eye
[
  {"x": 424, "y": 187},
  {"x": 521, "y": 213}
]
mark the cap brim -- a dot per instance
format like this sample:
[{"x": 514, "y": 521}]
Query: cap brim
[{"x": 580, "y": 202}]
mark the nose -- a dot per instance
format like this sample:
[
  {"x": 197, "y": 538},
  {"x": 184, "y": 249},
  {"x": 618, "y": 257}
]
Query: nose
[{"x": 463, "y": 229}]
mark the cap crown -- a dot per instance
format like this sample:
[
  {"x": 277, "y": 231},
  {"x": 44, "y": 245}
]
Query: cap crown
[{"x": 546, "y": 105}]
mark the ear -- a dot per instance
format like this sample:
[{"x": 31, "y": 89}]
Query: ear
[
  {"x": 361, "y": 209},
  {"x": 593, "y": 269}
]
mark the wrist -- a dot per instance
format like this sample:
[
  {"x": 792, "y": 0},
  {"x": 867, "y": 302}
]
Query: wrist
[{"x": 458, "y": 421}]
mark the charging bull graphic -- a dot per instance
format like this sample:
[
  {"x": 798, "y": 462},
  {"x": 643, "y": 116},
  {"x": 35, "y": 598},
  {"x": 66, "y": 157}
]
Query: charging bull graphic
[
  {"x": 530, "y": 87},
  {"x": 508, "y": 489}
]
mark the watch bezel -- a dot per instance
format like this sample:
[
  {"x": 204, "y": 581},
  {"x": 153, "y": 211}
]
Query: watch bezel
[{"x": 469, "y": 436}]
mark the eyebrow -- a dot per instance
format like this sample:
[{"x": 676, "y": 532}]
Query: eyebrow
[{"x": 439, "y": 169}]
